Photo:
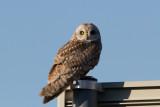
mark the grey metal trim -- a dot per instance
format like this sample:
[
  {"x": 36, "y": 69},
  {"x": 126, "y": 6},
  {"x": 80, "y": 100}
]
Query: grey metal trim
[{"x": 85, "y": 84}]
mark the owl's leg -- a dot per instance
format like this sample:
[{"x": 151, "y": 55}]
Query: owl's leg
[{"x": 74, "y": 83}]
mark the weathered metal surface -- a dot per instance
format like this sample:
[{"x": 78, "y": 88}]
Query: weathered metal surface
[{"x": 121, "y": 94}]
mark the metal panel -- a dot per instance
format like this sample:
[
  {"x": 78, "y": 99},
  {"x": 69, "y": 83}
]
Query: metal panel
[{"x": 120, "y": 94}]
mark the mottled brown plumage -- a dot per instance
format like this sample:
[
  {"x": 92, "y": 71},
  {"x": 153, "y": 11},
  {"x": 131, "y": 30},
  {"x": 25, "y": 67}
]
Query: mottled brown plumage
[{"x": 73, "y": 60}]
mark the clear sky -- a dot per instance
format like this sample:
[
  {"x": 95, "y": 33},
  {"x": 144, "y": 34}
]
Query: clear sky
[{"x": 31, "y": 31}]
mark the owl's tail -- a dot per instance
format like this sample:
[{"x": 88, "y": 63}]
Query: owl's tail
[{"x": 52, "y": 90}]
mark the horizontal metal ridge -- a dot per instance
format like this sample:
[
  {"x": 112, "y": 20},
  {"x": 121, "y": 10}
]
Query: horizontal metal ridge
[{"x": 131, "y": 84}]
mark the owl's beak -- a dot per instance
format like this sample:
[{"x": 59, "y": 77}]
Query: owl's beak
[{"x": 87, "y": 35}]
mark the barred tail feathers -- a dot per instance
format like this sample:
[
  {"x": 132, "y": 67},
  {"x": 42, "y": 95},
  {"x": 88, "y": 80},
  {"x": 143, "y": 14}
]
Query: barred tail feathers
[{"x": 53, "y": 89}]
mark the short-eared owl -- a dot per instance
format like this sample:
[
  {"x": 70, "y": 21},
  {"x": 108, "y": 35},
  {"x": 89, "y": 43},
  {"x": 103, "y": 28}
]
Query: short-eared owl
[{"x": 74, "y": 60}]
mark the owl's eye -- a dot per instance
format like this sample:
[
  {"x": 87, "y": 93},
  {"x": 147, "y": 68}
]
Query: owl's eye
[
  {"x": 81, "y": 32},
  {"x": 93, "y": 32}
]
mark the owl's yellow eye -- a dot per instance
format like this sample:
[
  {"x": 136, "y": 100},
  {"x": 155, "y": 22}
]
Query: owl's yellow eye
[{"x": 81, "y": 32}]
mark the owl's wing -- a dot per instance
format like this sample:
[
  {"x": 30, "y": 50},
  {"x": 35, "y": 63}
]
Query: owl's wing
[
  {"x": 75, "y": 56},
  {"x": 62, "y": 58},
  {"x": 72, "y": 61}
]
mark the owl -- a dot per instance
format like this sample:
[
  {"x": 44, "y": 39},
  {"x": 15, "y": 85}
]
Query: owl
[{"x": 74, "y": 60}]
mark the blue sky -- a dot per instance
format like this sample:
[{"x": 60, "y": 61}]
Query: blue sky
[{"x": 31, "y": 32}]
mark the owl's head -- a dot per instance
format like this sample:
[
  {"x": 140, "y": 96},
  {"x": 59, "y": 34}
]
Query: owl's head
[{"x": 86, "y": 32}]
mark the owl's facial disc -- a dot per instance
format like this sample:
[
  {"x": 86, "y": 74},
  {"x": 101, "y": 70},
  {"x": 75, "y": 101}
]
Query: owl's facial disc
[{"x": 87, "y": 32}]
